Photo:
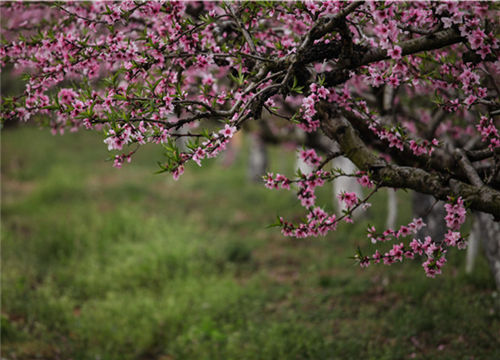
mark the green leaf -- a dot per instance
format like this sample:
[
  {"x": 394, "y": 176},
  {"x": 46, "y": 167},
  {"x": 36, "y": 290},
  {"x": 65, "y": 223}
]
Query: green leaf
[
  {"x": 275, "y": 224},
  {"x": 295, "y": 88},
  {"x": 321, "y": 80}
]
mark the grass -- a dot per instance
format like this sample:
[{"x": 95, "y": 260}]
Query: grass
[{"x": 100, "y": 263}]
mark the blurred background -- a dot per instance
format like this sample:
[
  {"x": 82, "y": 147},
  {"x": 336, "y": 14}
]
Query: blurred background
[{"x": 105, "y": 263}]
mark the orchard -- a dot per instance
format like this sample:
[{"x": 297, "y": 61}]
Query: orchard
[{"x": 408, "y": 91}]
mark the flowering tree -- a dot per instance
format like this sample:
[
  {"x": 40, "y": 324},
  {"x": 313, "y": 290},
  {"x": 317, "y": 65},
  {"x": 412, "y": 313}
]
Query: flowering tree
[{"x": 408, "y": 91}]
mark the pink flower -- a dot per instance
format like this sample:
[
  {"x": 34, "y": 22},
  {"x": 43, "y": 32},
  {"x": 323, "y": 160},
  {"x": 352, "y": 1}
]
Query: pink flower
[
  {"x": 470, "y": 100},
  {"x": 67, "y": 96},
  {"x": 365, "y": 181},
  {"x": 178, "y": 172},
  {"x": 417, "y": 224},
  {"x": 270, "y": 103},
  {"x": 350, "y": 199},
  {"x": 416, "y": 246},
  {"x": 322, "y": 92},
  {"x": 403, "y": 231},
  {"x": 285, "y": 182},
  {"x": 476, "y": 39},
  {"x": 455, "y": 216},
  {"x": 395, "y": 53},
  {"x": 228, "y": 131},
  {"x": 310, "y": 157},
  {"x": 397, "y": 252},
  {"x": 409, "y": 254},
  {"x": 198, "y": 155},
  {"x": 393, "y": 81},
  {"x": 118, "y": 161},
  {"x": 365, "y": 262},
  {"x": 451, "y": 238}
]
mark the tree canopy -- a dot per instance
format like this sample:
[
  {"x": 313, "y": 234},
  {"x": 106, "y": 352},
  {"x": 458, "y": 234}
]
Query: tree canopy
[{"x": 408, "y": 91}]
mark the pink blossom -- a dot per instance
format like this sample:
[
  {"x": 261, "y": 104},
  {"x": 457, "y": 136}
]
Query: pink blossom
[
  {"x": 67, "y": 96},
  {"x": 403, "y": 231},
  {"x": 349, "y": 198},
  {"x": 228, "y": 131},
  {"x": 397, "y": 252},
  {"x": 178, "y": 172},
  {"x": 310, "y": 157},
  {"x": 455, "y": 216},
  {"x": 365, "y": 181},
  {"x": 395, "y": 53}
]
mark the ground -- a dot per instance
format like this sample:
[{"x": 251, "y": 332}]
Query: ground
[{"x": 101, "y": 263}]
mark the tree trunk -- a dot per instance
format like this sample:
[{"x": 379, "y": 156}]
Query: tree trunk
[
  {"x": 258, "y": 159},
  {"x": 302, "y": 165},
  {"x": 432, "y": 214},
  {"x": 346, "y": 184},
  {"x": 490, "y": 236},
  {"x": 473, "y": 246},
  {"x": 392, "y": 209}
]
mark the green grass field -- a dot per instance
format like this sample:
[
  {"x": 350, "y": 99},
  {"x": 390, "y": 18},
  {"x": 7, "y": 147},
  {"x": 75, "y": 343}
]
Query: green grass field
[{"x": 101, "y": 263}]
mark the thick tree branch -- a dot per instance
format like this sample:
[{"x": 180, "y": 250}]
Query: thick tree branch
[
  {"x": 466, "y": 165},
  {"x": 241, "y": 27},
  {"x": 440, "y": 161},
  {"x": 478, "y": 155},
  {"x": 328, "y": 24},
  {"x": 481, "y": 198},
  {"x": 433, "y": 41},
  {"x": 320, "y": 28}
]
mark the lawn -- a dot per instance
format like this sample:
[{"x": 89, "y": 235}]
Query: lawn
[{"x": 102, "y": 263}]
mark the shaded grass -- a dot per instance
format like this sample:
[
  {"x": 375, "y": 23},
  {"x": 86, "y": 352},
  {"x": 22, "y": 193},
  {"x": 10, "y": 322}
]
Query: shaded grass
[{"x": 100, "y": 263}]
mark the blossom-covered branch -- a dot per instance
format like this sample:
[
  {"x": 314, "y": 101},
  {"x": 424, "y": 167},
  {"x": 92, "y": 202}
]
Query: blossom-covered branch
[{"x": 408, "y": 90}]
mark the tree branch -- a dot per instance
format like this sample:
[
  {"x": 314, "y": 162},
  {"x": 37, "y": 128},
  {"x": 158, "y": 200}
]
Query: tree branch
[
  {"x": 466, "y": 165},
  {"x": 440, "y": 161},
  {"x": 481, "y": 198},
  {"x": 429, "y": 42}
]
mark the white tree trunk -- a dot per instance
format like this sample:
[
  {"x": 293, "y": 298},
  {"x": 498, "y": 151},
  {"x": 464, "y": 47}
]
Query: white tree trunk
[
  {"x": 302, "y": 166},
  {"x": 392, "y": 209},
  {"x": 490, "y": 237},
  {"x": 473, "y": 246},
  {"x": 347, "y": 184},
  {"x": 181, "y": 142},
  {"x": 258, "y": 159}
]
